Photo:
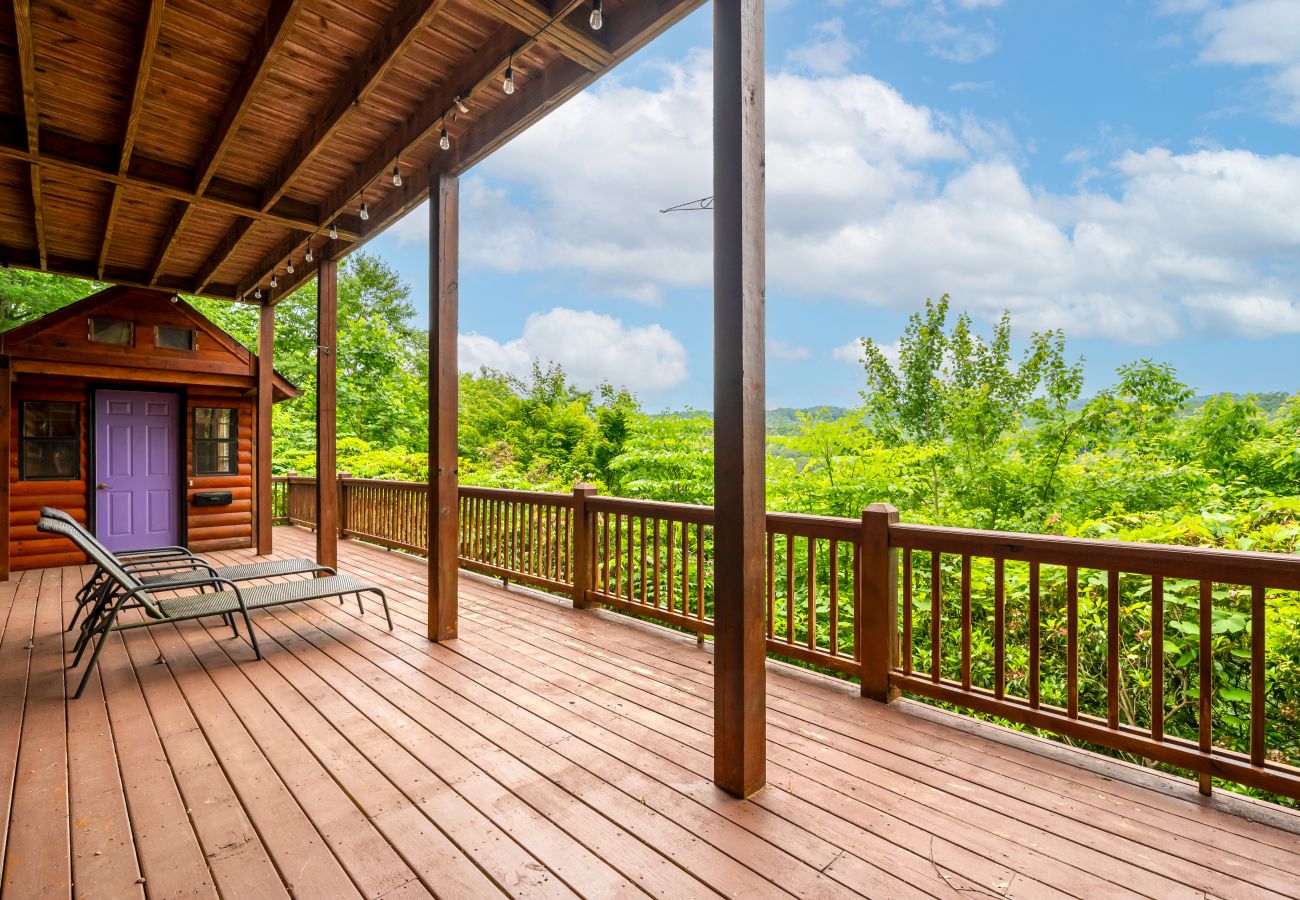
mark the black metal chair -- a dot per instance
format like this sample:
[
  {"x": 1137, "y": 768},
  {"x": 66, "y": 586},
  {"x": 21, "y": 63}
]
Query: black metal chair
[{"x": 121, "y": 590}]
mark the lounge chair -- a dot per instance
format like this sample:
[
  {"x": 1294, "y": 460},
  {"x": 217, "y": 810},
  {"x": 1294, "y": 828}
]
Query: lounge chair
[
  {"x": 219, "y": 596},
  {"x": 159, "y": 567}
]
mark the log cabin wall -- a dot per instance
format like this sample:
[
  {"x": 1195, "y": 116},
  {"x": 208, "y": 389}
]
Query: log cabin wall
[
  {"x": 29, "y": 548},
  {"x": 221, "y": 527}
]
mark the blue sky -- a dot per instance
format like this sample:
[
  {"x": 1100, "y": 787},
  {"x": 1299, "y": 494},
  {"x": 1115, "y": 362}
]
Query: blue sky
[{"x": 1122, "y": 170}]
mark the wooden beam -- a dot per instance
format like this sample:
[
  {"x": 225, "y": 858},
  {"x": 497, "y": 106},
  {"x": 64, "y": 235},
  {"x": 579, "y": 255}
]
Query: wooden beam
[
  {"x": 275, "y": 29},
  {"x": 265, "y": 402},
  {"x": 444, "y": 502},
  {"x": 739, "y": 535},
  {"x": 6, "y": 449},
  {"x": 578, "y": 43},
  {"x": 327, "y": 492},
  {"x": 148, "y": 43},
  {"x": 405, "y": 22},
  {"x": 221, "y": 253},
  {"x": 31, "y": 116}
]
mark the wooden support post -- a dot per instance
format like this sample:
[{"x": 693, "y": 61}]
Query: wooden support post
[
  {"x": 584, "y": 556},
  {"x": 878, "y": 603},
  {"x": 6, "y": 439},
  {"x": 444, "y": 498},
  {"x": 262, "y": 454},
  {"x": 740, "y": 691},
  {"x": 327, "y": 495}
]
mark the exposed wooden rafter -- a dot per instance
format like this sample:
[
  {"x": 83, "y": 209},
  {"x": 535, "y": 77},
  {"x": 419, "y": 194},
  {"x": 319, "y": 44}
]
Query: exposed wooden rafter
[
  {"x": 27, "y": 72},
  {"x": 266, "y": 46},
  {"x": 579, "y": 44},
  {"x": 396, "y": 35},
  {"x": 148, "y": 44}
]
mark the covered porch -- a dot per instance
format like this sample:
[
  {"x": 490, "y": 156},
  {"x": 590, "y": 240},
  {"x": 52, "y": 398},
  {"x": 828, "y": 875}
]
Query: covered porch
[{"x": 547, "y": 751}]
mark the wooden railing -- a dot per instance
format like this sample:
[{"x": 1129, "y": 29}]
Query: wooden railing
[{"x": 998, "y": 623}]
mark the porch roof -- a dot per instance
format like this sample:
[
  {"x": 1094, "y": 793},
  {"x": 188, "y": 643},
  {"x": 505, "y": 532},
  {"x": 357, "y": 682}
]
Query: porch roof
[
  {"x": 548, "y": 752},
  {"x": 198, "y": 146}
]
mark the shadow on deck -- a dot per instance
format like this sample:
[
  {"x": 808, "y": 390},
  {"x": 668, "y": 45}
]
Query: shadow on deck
[{"x": 546, "y": 752}]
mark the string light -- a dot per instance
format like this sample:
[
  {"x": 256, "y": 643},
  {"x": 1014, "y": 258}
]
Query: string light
[
  {"x": 597, "y": 15},
  {"x": 289, "y": 267},
  {"x": 365, "y": 212},
  {"x": 508, "y": 84},
  {"x": 334, "y": 231},
  {"x": 397, "y": 176},
  {"x": 309, "y": 257},
  {"x": 460, "y": 105},
  {"x": 275, "y": 282},
  {"x": 444, "y": 141},
  {"x": 257, "y": 294}
]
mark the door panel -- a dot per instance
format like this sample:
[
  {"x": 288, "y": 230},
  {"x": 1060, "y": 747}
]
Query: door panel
[{"x": 137, "y": 490}]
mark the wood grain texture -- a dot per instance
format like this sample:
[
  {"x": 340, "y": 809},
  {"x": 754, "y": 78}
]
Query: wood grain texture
[{"x": 444, "y": 503}]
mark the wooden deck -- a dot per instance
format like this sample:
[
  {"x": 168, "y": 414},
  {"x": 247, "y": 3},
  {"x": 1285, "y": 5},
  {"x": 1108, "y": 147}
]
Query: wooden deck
[{"x": 547, "y": 752}]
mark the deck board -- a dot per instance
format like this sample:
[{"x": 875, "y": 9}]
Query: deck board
[{"x": 545, "y": 753}]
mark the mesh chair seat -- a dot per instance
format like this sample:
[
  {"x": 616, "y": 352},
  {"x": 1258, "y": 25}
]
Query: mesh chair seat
[
  {"x": 247, "y": 572},
  {"x": 218, "y": 603}
]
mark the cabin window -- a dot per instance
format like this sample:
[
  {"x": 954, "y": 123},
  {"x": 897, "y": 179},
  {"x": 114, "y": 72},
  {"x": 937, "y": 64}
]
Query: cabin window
[
  {"x": 216, "y": 441},
  {"x": 49, "y": 446},
  {"x": 111, "y": 331},
  {"x": 169, "y": 337}
]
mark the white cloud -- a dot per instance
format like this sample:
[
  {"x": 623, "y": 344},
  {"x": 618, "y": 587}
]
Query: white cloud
[
  {"x": 828, "y": 52},
  {"x": 876, "y": 200},
  {"x": 592, "y": 348},
  {"x": 777, "y": 349},
  {"x": 852, "y": 352},
  {"x": 1253, "y": 33},
  {"x": 970, "y": 87}
]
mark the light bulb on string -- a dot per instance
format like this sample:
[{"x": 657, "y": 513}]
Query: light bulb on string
[
  {"x": 508, "y": 84},
  {"x": 365, "y": 212},
  {"x": 275, "y": 282},
  {"x": 257, "y": 294},
  {"x": 289, "y": 267},
  {"x": 397, "y": 176},
  {"x": 334, "y": 231},
  {"x": 309, "y": 256},
  {"x": 444, "y": 141},
  {"x": 597, "y": 15}
]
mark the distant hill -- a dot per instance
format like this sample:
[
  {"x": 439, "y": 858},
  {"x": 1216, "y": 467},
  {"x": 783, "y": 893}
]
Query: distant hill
[
  {"x": 785, "y": 419},
  {"x": 1269, "y": 401}
]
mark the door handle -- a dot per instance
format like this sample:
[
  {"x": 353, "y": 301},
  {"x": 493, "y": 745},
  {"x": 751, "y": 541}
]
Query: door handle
[{"x": 101, "y": 486}]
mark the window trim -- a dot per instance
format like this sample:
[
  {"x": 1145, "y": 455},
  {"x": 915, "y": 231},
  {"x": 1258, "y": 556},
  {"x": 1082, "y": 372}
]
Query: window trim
[
  {"x": 233, "y": 441},
  {"x": 192, "y": 348},
  {"x": 24, "y": 438},
  {"x": 90, "y": 331}
]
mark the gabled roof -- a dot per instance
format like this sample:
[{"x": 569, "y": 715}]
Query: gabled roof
[{"x": 32, "y": 339}]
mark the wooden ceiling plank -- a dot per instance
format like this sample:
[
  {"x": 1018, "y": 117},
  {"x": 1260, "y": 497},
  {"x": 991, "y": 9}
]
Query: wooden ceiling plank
[
  {"x": 25, "y": 43},
  {"x": 410, "y": 17},
  {"x": 87, "y": 159},
  {"x": 583, "y": 46},
  {"x": 225, "y": 248},
  {"x": 266, "y": 46},
  {"x": 148, "y": 44}
]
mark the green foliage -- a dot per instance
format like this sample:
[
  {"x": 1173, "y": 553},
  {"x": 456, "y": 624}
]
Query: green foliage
[{"x": 27, "y": 295}]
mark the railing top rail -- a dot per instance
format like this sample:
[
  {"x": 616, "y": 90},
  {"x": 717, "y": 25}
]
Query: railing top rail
[
  {"x": 1237, "y": 567},
  {"x": 546, "y": 498},
  {"x": 385, "y": 482},
  {"x": 654, "y": 509},
  {"x": 804, "y": 525}
]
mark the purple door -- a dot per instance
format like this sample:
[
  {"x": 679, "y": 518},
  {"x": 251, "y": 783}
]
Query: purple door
[{"x": 136, "y": 483}]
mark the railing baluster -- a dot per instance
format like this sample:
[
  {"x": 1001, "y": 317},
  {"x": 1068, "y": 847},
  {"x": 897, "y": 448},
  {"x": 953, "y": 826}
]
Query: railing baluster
[
  {"x": 604, "y": 553},
  {"x": 835, "y": 597},
  {"x": 686, "y": 569},
  {"x": 999, "y": 628},
  {"x": 907, "y": 611},
  {"x": 642, "y": 554},
  {"x": 1205, "y": 684},
  {"x": 789, "y": 589},
  {"x": 699, "y": 573},
  {"x": 1157, "y": 658},
  {"x": 1072, "y": 640},
  {"x": 965, "y": 621},
  {"x": 1112, "y": 649},
  {"x": 811, "y": 637},
  {"x": 1257, "y": 710},
  {"x": 657, "y": 574},
  {"x": 771, "y": 585},
  {"x": 936, "y": 608},
  {"x": 671, "y": 540},
  {"x": 1035, "y": 637}
]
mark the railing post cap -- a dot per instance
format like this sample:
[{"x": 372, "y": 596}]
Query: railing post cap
[
  {"x": 345, "y": 474},
  {"x": 878, "y": 509},
  {"x": 586, "y": 489}
]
